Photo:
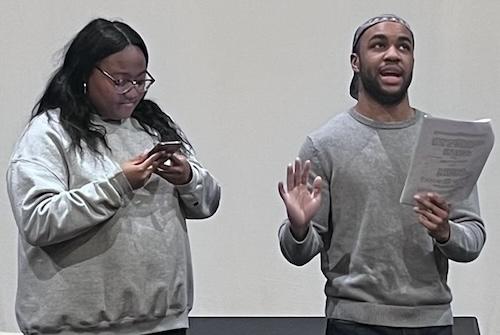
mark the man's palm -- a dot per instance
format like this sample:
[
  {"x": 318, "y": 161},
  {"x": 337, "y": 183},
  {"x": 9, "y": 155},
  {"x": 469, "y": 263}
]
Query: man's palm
[
  {"x": 302, "y": 204},
  {"x": 300, "y": 200}
]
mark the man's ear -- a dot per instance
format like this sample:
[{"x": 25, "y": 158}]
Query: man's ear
[{"x": 355, "y": 62}]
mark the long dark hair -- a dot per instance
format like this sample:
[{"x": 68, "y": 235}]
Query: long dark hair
[{"x": 99, "y": 39}]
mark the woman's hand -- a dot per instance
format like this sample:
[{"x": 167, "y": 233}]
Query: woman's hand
[
  {"x": 175, "y": 169},
  {"x": 139, "y": 169}
]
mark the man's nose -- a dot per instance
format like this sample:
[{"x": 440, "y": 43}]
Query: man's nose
[{"x": 392, "y": 53}]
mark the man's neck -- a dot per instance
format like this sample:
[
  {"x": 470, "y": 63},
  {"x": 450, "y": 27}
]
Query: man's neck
[{"x": 372, "y": 109}]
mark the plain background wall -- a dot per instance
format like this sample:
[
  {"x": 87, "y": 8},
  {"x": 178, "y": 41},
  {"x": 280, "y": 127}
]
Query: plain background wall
[{"x": 247, "y": 80}]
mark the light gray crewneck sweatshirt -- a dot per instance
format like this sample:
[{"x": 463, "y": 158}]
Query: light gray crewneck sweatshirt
[
  {"x": 95, "y": 256},
  {"x": 381, "y": 265}
]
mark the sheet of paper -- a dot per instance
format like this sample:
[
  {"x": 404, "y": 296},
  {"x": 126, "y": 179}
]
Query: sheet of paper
[{"x": 448, "y": 158}]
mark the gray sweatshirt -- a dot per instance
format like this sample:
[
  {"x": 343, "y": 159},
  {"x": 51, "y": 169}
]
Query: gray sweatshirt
[
  {"x": 381, "y": 265},
  {"x": 95, "y": 256}
]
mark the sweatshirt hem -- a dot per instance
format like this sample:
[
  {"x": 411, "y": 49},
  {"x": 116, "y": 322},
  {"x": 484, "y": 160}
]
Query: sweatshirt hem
[
  {"x": 389, "y": 315},
  {"x": 122, "y": 327}
]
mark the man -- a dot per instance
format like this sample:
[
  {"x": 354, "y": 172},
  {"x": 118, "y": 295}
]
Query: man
[{"x": 386, "y": 263}]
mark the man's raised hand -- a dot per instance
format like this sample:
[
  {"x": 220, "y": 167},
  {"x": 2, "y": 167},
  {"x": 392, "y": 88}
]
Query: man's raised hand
[{"x": 301, "y": 201}]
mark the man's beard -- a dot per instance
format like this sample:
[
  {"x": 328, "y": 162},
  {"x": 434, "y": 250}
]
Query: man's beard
[{"x": 374, "y": 90}]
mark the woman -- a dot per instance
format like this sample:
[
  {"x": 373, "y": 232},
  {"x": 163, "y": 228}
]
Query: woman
[{"x": 103, "y": 245}]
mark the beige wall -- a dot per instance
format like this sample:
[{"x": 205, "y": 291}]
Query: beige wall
[{"x": 247, "y": 80}]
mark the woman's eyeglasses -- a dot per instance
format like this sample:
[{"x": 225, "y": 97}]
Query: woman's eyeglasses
[{"x": 123, "y": 86}]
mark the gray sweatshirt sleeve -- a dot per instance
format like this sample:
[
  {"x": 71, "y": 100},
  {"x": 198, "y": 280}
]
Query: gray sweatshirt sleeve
[
  {"x": 47, "y": 212},
  {"x": 468, "y": 235},
  {"x": 301, "y": 252},
  {"x": 200, "y": 197},
  {"x": 46, "y": 207}
]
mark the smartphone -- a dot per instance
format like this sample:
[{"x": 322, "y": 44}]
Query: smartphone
[{"x": 169, "y": 147}]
